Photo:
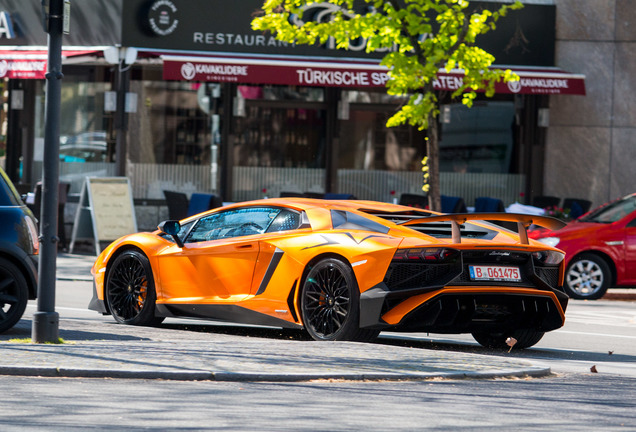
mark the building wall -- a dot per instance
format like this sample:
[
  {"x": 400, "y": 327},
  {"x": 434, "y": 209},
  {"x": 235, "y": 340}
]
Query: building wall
[{"x": 591, "y": 141}]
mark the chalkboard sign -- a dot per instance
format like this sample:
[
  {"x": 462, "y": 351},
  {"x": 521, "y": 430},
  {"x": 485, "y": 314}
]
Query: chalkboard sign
[{"x": 105, "y": 212}]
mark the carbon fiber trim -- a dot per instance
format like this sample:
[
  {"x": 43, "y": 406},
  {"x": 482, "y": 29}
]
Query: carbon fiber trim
[{"x": 278, "y": 254}]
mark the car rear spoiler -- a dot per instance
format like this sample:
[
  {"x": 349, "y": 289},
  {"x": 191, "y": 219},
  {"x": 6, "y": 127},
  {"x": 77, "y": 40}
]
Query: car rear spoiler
[{"x": 523, "y": 221}]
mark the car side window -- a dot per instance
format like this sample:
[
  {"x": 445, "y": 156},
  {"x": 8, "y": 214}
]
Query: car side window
[
  {"x": 234, "y": 223},
  {"x": 285, "y": 221}
]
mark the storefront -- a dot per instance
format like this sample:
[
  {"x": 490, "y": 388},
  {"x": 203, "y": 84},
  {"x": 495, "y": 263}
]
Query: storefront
[{"x": 213, "y": 106}]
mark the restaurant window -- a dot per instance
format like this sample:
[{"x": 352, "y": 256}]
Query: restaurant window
[
  {"x": 171, "y": 125},
  {"x": 279, "y": 126},
  {"x": 479, "y": 139},
  {"x": 84, "y": 126},
  {"x": 366, "y": 143}
]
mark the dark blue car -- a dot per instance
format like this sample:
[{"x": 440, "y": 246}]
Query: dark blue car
[{"x": 18, "y": 255}]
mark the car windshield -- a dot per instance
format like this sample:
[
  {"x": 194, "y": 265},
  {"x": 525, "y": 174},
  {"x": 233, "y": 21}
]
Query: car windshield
[{"x": 613, "y": 211}]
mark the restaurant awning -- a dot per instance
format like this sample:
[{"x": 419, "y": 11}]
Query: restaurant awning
[
  {"x": 329, "y": 73},
  {"x": 31, "y": 64}
]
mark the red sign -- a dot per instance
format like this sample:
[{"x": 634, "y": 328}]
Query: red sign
[
  {"x": 30, "y": 64},
  {"x": 284, "y": 73},
  {"x": 357, "y": 75},
  {"x": 23, "y": 68},
  {"x": 530, "y": 82}
]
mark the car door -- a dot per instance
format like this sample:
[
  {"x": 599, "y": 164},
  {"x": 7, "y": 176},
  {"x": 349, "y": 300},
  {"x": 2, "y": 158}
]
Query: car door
[{"x": 216, "y": 264}]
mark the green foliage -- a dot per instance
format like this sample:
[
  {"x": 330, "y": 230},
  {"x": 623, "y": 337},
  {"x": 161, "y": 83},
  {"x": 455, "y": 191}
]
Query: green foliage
[
  {"x": 419, "y": 37},
  {"x": 29, "y": 340}
]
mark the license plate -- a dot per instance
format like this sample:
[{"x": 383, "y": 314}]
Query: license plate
[{"x": 494, "y": 273}]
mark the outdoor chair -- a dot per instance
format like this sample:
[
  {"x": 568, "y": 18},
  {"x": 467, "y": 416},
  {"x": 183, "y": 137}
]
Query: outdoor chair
[
  {"x": 489, "y": 205},
  {"x": 545, "y": 201},
  {"x": 339, "y": 196},
  {"x": 317, "y": 195},
  {"x": 177, "y": 203},
  {"x": 63, "y": 189},
  {"x": 200, "y": 202},
  {"x": 287, "y": 194},
  {"x": 451, "y": 204},
  {"x": 578, "y": 207},
  {"x": 414, "y": 200}
]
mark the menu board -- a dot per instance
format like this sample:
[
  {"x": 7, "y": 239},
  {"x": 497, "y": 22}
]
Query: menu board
[
  {"x": 106, "y": 211},
  {"x": 113, "y": 210}
]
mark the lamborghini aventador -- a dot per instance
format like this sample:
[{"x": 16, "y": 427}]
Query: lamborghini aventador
[{"x": 340, "y": 270}]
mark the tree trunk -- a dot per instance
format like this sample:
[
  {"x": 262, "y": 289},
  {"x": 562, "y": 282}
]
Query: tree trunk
[{"x": 432, "y": 151}]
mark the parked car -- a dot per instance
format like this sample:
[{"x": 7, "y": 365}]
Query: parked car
[
  {"x": 600, "y": 249},
  {"x": 18, "y": 255},
  {"x": 342, "y": 270}
]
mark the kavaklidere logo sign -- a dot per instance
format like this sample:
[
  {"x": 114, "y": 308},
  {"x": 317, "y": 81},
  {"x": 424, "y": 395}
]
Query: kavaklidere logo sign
[
  {"x": 162, "y": 17},
  {"x": 514, "y": 86},
  {"x": 188, "y": 71},
  {"x": 4, "y": 68}
]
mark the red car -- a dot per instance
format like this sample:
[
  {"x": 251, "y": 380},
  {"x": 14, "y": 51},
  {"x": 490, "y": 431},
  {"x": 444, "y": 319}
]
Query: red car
[{"x": 600, "y": 249}]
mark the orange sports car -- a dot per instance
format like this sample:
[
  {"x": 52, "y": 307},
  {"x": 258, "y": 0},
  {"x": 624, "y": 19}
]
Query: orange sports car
[{"x": 342, "y": 270}]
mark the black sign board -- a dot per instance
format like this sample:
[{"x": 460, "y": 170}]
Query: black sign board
[{"x": 524, "y": 37}]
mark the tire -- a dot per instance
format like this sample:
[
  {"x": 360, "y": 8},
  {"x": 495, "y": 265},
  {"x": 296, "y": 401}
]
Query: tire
[
  {"x": 525, "y": 339},
  {"x": 130, "y": 290},
  {"x": 587, "y": 277},
  {"x": 330, "y": 303},
  {"x": 14, "y": 294}
]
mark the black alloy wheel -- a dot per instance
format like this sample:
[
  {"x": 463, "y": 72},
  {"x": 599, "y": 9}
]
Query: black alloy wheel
[
  {"x": 330, "y": 303},
  {"x": 14, "y": 294},
  {"x": 130, "y": 290}
]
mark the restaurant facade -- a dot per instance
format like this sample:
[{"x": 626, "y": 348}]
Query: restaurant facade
[{"x": 182, "y": 95}]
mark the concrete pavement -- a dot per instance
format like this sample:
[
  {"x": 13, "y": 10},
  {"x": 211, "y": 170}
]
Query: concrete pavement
[{"x": 184, "y": 350}]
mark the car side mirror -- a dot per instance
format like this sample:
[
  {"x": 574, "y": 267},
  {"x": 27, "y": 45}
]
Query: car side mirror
[{"x": 171, "y": 227}]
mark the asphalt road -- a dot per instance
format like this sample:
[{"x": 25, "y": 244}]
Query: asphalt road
[{"x": 578, "y": 402}]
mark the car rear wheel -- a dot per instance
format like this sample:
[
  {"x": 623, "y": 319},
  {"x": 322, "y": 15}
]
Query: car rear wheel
[
  {"x": 330, "y": 303},
  {"x": 497, "y": 340},
  {"x": 587, "y": 277},
  {"x": 130, "y": 290},
  {"x": 14, "y": 293}
]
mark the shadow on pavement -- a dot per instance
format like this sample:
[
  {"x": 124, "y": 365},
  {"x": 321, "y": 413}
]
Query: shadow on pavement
[
  {"x": 231, "y": 330},
  {"x": 530, "y": 353},
  {"x": 22, "y": 330}
]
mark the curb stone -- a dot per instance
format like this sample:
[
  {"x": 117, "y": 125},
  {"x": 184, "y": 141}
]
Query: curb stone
[{"x": 52, "y": 372}]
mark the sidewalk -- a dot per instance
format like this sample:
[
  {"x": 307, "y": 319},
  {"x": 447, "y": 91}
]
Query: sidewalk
[
  {"x": 100, "y": 348},
  {"x": 97, "y": 347}
]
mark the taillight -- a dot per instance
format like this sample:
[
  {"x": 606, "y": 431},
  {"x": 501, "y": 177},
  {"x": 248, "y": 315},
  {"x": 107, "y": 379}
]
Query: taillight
[
  {"x": 549, "y": 257},
  {"x": 33, "y": 234},
  {"x": 438, "y": 255}
]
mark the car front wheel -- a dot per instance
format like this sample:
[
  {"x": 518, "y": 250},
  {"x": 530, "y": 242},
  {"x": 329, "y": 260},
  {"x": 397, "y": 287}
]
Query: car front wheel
[
  {"x": 130, "y": 290},
  {"x": 587, "y": 277}
]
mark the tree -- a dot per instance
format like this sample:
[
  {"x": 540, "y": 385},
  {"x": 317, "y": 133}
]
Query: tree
[{"x": 420, "y": 37}]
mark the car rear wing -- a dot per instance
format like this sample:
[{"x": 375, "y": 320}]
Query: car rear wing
[{"x": 523, "y": 221}]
